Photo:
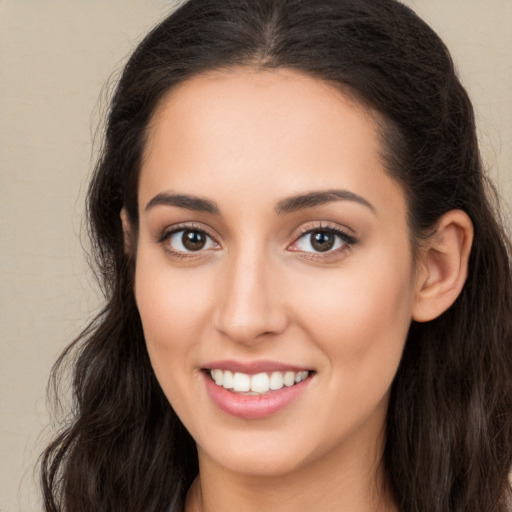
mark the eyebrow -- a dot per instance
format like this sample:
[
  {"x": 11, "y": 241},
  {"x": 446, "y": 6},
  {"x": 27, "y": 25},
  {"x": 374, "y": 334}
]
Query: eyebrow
[
  {"x": 311, "y": 199},
  {"x": 288, "y": 205},
  {"x": 188, "y": 202}
]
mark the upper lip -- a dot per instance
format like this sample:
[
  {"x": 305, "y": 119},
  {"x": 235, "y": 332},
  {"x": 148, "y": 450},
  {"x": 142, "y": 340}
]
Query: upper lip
[{"x": 254, "y": 367}]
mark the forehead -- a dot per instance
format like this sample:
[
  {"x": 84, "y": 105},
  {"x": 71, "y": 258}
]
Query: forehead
[
  {"x": 279, "y": 132},
  {"x": 290, "y": 100}
]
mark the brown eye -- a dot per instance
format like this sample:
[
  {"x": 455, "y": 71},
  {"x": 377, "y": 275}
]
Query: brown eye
[
  {"x": 193, "y": 240},
  {"x": 189, "y": 240},
  {"x": 322, "y": 241}
]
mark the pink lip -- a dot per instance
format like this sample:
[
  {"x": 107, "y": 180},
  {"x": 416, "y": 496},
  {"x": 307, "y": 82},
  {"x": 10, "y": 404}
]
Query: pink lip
[
  {"x": 253, "y": 367},
  {"x": 253, "y": 406}
]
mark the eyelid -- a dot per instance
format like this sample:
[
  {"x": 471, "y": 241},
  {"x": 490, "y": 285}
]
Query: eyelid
[
  {"x": 185, "y": 226},
  {"x": 347, "y": 240}
]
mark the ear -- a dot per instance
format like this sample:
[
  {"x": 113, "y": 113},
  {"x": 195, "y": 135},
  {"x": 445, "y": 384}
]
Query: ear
[
  {"x": 128, "y": 235},
  {"x": 443, "y": 266}
]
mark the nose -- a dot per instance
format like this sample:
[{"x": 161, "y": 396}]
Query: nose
[{"x": 249, "y": 306}]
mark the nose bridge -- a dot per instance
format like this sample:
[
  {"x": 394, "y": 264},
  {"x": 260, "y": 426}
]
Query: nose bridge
[{"x": 248, "y": 303}]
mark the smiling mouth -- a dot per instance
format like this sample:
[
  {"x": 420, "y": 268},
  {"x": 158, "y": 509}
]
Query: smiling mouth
[{"x": 257, "y": 384}]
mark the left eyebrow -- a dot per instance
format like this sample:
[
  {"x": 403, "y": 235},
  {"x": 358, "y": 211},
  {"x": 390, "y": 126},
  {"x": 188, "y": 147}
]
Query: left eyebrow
[{"x": 316, "y": 198}]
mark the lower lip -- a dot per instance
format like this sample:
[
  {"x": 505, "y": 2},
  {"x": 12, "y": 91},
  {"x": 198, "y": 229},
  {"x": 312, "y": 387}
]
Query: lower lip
[{"x": 253, "y": 406}]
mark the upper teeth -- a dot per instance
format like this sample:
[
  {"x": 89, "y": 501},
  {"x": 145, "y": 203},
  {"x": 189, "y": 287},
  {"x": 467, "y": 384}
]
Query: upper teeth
[{"x": 258, "y": 383}]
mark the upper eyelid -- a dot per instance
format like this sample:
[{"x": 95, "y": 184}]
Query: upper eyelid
[
  {"x": 192, "y": 226},
  {"x": 347, "y": 243},
  {"x": 165, "y": 237},
  {"x": 342, "y": 231}
]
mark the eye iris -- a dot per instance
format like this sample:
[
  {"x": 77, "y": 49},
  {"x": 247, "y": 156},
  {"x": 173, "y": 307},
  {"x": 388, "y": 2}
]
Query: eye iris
[
  {"x": 322, "y": 241},
  {"x": 193, "y": 240}
]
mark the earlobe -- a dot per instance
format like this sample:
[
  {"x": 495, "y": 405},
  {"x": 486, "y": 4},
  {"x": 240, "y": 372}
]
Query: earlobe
[
  {"x": 127, "y": 232},
  {"x": 443, "y": 266}
]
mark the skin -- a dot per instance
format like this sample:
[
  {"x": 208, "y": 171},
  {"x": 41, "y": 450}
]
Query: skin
[{"x": 247, "y": 140}]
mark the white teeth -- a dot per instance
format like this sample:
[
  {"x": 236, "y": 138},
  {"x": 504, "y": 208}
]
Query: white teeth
[
  {"x": 227, "y": 380},
  {"x": 289, "y": 379},
  {"x": 260, "y": 383},
  {"x": 257, "y": 384},
  {"x": 300, "y": 376},
  {"x": 241, "y": 382},
  {"x": 276, "y": 380},
  {"x": 217, "y": 376}
]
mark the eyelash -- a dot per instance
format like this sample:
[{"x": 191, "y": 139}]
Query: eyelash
[
  {"x": 344, "y": 238},
  {"x": 346, "y": 241},
  {"x": 166, "y": 236}
]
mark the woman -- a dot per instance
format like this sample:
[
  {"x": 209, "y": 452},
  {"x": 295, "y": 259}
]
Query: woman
[{"x": 309, "y": 297}]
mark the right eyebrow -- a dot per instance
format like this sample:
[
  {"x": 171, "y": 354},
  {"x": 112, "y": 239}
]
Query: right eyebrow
[{"x": 188, "y": 202}]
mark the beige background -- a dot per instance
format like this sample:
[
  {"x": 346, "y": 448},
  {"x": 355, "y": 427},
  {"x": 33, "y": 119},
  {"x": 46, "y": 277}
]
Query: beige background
[{"x": 55, "y": 57}]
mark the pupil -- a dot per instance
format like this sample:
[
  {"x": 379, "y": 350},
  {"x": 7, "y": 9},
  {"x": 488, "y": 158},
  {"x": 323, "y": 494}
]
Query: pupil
[
  {"x": 322, "y": 241},
  {"x": 193, "y": 240}
]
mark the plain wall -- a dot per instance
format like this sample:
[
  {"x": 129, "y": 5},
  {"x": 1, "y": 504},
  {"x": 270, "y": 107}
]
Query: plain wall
[{"x": 55, "y": 58}]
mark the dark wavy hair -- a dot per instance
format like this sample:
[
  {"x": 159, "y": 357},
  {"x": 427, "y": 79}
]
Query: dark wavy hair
[{"x": 448, "y": 442}]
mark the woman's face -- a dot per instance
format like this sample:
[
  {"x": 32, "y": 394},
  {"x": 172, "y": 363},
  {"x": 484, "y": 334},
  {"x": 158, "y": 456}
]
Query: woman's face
[{"x": 273, "y": 248}]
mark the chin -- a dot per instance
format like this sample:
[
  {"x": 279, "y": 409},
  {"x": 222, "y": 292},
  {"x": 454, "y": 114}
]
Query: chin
[
  {"x": 258, "y": 464},
  {"x": 264, "y": 456}
]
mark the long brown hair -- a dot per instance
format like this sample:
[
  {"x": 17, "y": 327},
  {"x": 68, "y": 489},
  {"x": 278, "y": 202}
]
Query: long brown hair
[{"x": 449, "y": 428}]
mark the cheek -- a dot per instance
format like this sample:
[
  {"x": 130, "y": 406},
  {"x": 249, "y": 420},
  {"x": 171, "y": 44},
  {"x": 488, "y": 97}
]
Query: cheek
[
  {"x": 360, "y": 320},
  {"x": 171, "y": 311}
]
